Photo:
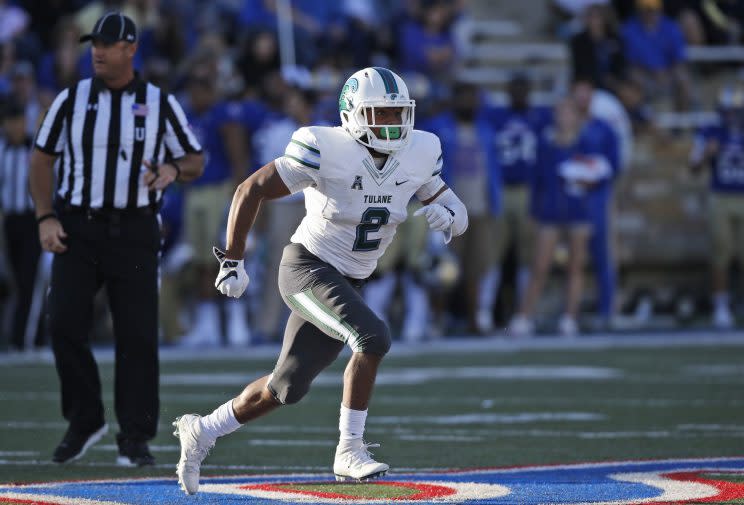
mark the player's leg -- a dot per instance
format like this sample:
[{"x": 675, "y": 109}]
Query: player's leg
[
  {"x": 490, "y": 281},
  {"x": 22, "y": 232},
  {"x": 578, "y": 237},
  {"x": 74, "y": 282},
  {"x": 416, "y": 325},
  {"x": 524, "y": 228},
  {"x": 203, "y": 211},
  {"x": 306, "y": 351},
  {"x": 476, "y": 255},
  {"x": 322, "y": 296},
  {"x": 547, "y": 238},
  {"x": 722, "y": 233},
  {"x": 602, "y": 257},
  {"x": 130, "y": 260}
]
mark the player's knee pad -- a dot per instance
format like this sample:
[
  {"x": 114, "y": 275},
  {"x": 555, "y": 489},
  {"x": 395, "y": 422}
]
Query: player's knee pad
[
  {"x": 288, "y": 389},
  {"x": 375, "y": 340}
]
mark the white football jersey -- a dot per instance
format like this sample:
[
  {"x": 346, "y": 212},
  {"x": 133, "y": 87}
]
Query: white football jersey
[{"x": 353, "y": 208}]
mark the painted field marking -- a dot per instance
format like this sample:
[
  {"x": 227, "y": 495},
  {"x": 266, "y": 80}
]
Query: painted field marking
[{"x": 417, "y": 375}]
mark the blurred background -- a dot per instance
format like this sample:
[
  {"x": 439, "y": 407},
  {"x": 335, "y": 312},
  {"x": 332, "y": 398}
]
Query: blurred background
[{"x": 597, "y": 145}]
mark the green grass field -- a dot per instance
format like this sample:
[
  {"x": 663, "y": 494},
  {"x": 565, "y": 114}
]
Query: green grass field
[{"x": 487, "y": 404}]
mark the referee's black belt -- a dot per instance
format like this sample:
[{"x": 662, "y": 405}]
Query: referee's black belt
[{"x": 108, "y": 214}]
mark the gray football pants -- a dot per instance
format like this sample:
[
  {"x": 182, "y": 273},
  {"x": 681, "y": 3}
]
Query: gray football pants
[{"x": 327, "y": 312}]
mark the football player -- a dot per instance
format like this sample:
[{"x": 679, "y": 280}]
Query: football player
[
  {"x": 721, "y": 147},
  {"x": 357, "y": 179}
]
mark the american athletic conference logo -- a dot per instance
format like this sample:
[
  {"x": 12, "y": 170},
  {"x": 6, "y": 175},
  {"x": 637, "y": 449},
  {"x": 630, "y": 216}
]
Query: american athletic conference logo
[{"x": 649, "y": 482}]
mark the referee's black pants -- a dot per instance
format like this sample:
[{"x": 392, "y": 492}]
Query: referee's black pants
[
  {"x": 120, "y": 251},
  {"x": 24, "y": 250}
]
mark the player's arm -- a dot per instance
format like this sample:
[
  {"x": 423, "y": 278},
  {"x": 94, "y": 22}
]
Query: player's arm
[
  {"x": 444, "y": 211},
  {"x": 41, "y": 186},
  {"x": 264, "y": 184},
  {"x": 47, "y": 148}
]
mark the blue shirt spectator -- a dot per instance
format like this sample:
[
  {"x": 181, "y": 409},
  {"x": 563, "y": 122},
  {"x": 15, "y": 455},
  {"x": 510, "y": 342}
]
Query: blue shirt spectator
[
  {"x": 552, "y": 201},
  {"x": 206, "y": 126},
  {"x": 427, "y": 45},
  {"x": 472, "y": 162},
  {"x": 727, "y": 174},
  {"x": 653, "y": 47},
  {"x": 516, "y": 138},
  {"x": 255, "y": 13}
]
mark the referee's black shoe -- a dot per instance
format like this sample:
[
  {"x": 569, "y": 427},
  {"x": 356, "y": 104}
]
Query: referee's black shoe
[
  {"x": 75, "y": 443},
  {"x": 133, "y": 453}
]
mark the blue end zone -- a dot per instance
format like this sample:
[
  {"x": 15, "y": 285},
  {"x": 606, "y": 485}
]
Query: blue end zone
[{"x": 579, "y": 483}]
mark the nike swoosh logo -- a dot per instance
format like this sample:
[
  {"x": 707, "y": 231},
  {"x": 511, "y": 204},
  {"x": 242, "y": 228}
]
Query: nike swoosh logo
[
  {"x": 312, "y": 270},
  {"x": 229, "y": 274},
  {"x": 401, "y": 182}
]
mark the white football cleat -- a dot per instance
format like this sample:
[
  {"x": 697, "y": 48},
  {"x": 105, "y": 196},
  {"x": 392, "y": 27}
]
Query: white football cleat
[
  {"x": 354, "y": 462},
  {"x": 194, "y": 448}
]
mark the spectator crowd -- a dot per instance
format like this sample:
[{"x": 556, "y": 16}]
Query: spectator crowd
[{"x": 533, "y": 176}]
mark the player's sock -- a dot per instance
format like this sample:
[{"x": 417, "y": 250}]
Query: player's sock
[
  {"x": 220, "y": 422},
  {"x": 351, "y": 425}
]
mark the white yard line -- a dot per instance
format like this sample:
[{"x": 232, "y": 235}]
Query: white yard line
[
  {"x": 153, "y": 448},
  {"x": 717, "y": 369},
  {"x": 172, "y": 466},
  {"x": 419, "y": 375},
  {"x": 486, "y": 403},
  {"x": 293, "y": 443},
  {"x": 61, "y": 500},
  {"x": 455, "y": 345},
  {"x": 514, "y": 418}
]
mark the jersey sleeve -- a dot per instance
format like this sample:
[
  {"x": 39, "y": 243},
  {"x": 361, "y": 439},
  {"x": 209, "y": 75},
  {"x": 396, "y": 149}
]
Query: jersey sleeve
[
  {"x": 178, "y": 138},
  {"x": 434, "y": 182},
  {"x": 53, "y": 129},
  {"x": 299, "y": 168}
]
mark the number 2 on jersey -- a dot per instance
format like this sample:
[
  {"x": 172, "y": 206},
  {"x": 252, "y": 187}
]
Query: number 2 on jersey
[{"x": 372, "y": 220}]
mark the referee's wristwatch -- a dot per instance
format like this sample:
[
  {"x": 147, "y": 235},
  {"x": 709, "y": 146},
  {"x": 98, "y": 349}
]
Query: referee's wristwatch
[
  {"x": 176, "y": 166},
  {"x": 44, "y": 217}
]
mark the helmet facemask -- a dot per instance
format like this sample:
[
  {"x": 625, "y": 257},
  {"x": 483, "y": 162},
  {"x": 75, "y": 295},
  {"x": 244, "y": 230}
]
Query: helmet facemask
[
  {"x": 392, "y": 137},
  {"x": 362, "y": 95}
]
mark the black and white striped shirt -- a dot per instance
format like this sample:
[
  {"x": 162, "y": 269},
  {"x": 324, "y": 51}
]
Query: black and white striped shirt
[
  {"x": 15, "y": 197},
  {"x": 103, "y": 136}
]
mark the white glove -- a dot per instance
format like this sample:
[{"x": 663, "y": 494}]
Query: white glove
[
  {"x": 232, "y": 279},
  {"x": 439, "y": 218}
]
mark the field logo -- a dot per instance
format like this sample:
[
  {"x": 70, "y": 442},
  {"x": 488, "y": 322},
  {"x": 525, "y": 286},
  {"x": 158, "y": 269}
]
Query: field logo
[{"x": 665, "y": 482}]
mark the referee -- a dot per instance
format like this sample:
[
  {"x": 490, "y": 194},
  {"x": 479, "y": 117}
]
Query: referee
[
  {"x": 21, "y": 238},
  {"x": 120, "y": 142}
]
